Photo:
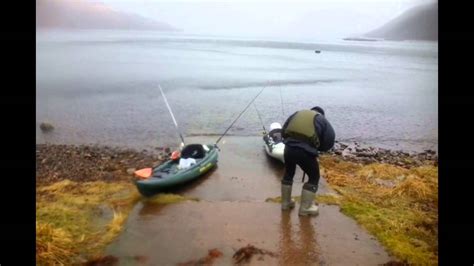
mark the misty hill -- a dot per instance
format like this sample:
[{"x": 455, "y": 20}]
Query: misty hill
[
  {"x": 417, "y": 23},
  {"x": 81, "y": 14}
]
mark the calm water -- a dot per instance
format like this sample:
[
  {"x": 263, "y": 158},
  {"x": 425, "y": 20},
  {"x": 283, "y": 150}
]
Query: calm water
[{"x": 102, "y": 87}]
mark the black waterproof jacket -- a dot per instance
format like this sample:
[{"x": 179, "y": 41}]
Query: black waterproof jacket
[{"x": 325, "y": 132}]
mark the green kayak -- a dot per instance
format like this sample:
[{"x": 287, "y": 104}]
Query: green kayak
[{"x": 172, "y": 173}]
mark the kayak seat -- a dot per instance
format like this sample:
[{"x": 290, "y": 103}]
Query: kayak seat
[
  {"x": 276, "y": 135},
  {"x": 195, "y": 151}
]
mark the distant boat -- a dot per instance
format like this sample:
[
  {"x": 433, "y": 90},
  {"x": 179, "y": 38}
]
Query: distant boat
[{"x": 317, "y": 51}]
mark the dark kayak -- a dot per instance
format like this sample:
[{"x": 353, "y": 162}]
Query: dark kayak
[{"x": 169, "y": 174}]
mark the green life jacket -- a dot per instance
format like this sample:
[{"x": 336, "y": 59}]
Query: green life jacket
[{"x": 301, "y": 127}]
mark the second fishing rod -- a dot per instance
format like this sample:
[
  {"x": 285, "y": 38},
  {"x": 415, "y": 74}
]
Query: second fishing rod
[{"x": 223, "y": 134}]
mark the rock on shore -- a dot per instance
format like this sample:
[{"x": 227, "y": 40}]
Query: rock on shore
[
  {"x": 354, "y": 152},
  {"x": 46, "y": 127},
  {"x": 90, "y": 163}
]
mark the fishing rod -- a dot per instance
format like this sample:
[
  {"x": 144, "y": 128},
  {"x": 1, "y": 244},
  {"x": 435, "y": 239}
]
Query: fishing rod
[
  {"x": 239, "y": 116},
  {"x": 260, "y": 118},
  {"x": 172, "y": 116}
]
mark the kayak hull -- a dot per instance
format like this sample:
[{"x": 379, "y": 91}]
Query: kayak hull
[
  {"x": 158, "y": 181},
  {"x": 275, "y": 150}
]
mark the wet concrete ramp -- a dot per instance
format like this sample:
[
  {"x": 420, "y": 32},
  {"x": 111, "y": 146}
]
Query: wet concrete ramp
[{"x": 233, "y": 213}]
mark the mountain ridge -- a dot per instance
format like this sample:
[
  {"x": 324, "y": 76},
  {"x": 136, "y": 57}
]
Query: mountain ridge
[
  {"x": 81, "y": 14},
  {"x": 417, "y": 23}
]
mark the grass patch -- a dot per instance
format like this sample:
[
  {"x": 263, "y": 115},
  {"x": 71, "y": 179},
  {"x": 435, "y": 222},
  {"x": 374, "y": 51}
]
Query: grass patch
[
  {"x": 77, "y": 220},
  {"x": 168, "y": 199},
  {"x": 326, "y": 199},
  {"x": 397, "y": 205},
  {"x": 276, "y": 199}
]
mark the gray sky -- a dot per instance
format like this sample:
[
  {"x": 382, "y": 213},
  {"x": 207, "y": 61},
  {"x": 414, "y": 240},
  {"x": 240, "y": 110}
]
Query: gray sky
[{"x": 317, "y": 19}]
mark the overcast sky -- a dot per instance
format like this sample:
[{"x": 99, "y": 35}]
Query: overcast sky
[{"x": 317, "y": 19}]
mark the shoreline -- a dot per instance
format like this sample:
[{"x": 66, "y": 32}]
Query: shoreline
[
  {"x": 111, "y": 163},
  {"x": 409, "y": 146},
  {"x": 82, "y": 163}
]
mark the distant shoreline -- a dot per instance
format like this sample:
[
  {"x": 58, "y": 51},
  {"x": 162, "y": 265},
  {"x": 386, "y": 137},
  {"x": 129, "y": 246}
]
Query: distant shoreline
[{"x": 360, "y": 39}]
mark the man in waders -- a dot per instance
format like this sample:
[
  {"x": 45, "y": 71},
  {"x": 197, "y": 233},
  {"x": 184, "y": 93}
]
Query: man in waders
[{"x": 305, "y": 134}]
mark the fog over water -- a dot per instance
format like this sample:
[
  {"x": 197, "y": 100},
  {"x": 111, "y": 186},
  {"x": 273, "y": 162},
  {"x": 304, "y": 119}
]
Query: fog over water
[
  {"x": 303, "y": 19},
  {"x": 101, "y": 86}
]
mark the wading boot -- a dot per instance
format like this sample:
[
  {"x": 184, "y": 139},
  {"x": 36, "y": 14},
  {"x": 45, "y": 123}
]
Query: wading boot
[
  {"x": 307, "y": 206},
  {"x": 286, "y": 202}
]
